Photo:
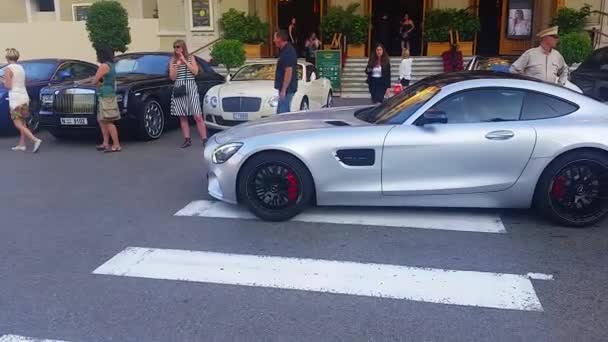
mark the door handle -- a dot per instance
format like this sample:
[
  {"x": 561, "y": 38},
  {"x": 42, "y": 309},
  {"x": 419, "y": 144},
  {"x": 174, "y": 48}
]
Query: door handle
[{"x": 500, "y": 135}]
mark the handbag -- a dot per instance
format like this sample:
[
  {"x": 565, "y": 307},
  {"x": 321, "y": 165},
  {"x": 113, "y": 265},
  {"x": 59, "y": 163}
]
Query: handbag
[
  {"x": 109, "y": 108},
  {"x": 179, "y": 91}
]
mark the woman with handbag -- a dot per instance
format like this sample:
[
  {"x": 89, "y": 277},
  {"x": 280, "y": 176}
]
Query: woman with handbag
[
  {"x": 185, "y": 101},
  {"x": 378, "y": 72},
  {"x": 18, "y": 100},
  {"x": 107, "y": 108}
]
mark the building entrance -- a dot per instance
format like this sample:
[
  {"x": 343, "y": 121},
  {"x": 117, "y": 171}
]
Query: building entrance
[
  {"x": 387, "y": 16},
  {"x": 307, "y": 15},
  {"x": 490, "y": 18}
]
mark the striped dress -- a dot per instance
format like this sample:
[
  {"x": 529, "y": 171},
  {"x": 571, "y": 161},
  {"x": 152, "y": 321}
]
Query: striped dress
[{"x": 190, "y": 104}]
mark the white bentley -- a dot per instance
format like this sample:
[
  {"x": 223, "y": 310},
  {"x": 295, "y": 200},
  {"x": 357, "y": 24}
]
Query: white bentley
[{"x": 249, "y": 95}]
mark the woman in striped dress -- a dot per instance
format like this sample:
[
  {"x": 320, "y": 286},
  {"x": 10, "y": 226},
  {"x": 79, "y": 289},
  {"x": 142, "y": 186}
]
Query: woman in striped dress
[{"x": 185, "y": 101}]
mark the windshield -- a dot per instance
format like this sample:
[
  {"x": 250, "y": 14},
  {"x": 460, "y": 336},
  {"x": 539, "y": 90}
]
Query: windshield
[
  {"x": 259, "y": 72},
  {"x": 401, "y": 106},
  {"x": 143, "y": 64},
  {"x": 35, "y": 71}
]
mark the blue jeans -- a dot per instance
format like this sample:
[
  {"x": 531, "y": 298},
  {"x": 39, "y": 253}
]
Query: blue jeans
[{"x": 285, "y": 104}]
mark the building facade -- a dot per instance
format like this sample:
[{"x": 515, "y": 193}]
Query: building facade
[{"x": 55, "y": 28}]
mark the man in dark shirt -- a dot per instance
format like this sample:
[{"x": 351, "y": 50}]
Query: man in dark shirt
[{"x": 285, "y": 79}]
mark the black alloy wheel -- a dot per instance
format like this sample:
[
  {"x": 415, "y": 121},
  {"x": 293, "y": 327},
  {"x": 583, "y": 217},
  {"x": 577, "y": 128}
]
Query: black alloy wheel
[
  {"x": 275, "y": 186},
  {"x": 575, "y": 192},
  {"x": 151, "y": 122}
]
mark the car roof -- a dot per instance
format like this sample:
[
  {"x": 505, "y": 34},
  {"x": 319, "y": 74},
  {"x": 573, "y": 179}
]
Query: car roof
[
  {"x": 460, "y": 76},
  {"x": 52, "y": 60}
]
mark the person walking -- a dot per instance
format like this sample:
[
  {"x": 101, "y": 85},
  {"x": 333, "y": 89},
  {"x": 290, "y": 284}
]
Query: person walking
[
  {"x": 378, "y": 72},
  {"x": 18, "y": 100},
  {"x": 285, "y": 78},
  {"x": 185, "y": 101},
  {"x": 405, "y": 69},
  {"x": 107, "y": 109},
  {"x": 543, "y": 62}
]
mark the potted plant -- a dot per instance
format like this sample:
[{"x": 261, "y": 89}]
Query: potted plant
[
  {"x": 575, "y": 47},
  {"x": 229, "y": 52},
  {"x": 440, "y": 22},
  {"x": 248, "y": 29},
  {"x": 357, "y": 36},
  {"x": 339, "y": 20}
]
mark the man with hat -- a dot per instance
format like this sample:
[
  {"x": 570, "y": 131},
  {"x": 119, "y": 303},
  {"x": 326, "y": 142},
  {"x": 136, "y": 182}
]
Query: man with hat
[{"x": 543, "y": 62}]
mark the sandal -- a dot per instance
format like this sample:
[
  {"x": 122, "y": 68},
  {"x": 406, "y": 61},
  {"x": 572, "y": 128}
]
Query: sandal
[
  {"x": 187, "y": 143},
  {"x": 102, "y": 147},
  {"x": 112, "y": 149}
]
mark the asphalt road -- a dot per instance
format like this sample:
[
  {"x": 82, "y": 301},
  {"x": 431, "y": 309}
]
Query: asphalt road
[{"x": 69, "y": 209}]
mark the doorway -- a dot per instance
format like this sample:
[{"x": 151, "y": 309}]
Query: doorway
[
  {"x": 386, "y": 21},
  {"x": 308, "y": 18},
  {"x": 490, "y": 18}
]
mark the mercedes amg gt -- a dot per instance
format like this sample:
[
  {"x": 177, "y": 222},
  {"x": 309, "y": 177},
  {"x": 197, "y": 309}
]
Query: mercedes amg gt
[{"x": 467, "y": 139}]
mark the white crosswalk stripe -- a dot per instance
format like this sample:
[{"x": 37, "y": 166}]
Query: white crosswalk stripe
[
  {"x": 17, "y": 338},
  {"x": 469, "y": 288},
  {"x": 388, "y": 217}
]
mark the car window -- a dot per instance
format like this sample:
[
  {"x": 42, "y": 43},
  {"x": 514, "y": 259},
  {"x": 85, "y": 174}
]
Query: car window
[
  {"x": 260, "y": 72},
  {"x": 64, "y": 67},
  {"x": 539, "y": 106},
  {"x": 598, "y": 61},
  {"x": 80, "y": 70},
  {"x": 35, "y": 71},
  {"x": 482, "y": 105},
  {"x": 157, "y": 65}
]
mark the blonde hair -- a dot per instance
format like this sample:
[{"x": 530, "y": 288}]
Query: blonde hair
[
  {"x": 12, "y": 54},
  {"x": 405, "y": 53},
  {"x": 182, "y": 43}
]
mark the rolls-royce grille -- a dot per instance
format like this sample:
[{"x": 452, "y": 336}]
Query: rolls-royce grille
[
  {"x": 241, "y": 104},
  {"x": 79, "y": 104}
]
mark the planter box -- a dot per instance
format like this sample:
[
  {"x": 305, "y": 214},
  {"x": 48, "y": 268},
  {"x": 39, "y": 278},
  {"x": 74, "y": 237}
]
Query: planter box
[
  {"x": 253, "y": 50},
  {"x": 356, "y": 50},
  {"x": 436, "y": 49}
]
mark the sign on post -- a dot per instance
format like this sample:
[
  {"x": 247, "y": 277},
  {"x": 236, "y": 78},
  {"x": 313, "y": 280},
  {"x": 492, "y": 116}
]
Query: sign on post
[{"x": 329, "y": 65}]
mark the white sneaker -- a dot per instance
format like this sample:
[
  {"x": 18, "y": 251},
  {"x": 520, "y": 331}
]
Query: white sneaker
[
  {"x": 37, "y": 145},
  {"x": 19, "y": 148}
]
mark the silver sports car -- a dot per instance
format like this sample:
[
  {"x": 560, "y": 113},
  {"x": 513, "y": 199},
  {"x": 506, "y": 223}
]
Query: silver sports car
[{"x": 468, "y": 139}]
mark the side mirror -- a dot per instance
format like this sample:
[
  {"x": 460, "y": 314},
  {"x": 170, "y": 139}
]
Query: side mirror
[{"x": 435, "y": 116}]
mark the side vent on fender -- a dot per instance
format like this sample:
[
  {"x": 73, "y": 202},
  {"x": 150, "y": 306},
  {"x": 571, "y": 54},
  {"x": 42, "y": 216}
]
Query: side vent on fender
[
  {"x": 357, "y": 157},
  {"x": 337, "y": 123}
]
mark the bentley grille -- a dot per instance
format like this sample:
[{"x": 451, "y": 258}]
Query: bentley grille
[
  {"x": 79, "y": 104},
  {"x": 241, "y": 104}
]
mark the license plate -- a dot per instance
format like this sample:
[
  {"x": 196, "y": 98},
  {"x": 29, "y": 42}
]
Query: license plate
[
  {"x": 240, "y": 116},
  {"x": 74, "y": 121}
]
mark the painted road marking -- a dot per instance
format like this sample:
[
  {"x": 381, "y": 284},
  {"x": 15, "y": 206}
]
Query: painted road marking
[
  {"x": 17, "y": 338},
  {"x": 388, "y": 217},
  {"x": 469, "y": 288}
]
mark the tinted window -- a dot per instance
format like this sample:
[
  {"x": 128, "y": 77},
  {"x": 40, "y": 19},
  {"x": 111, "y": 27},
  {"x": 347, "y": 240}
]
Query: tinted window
[
  {"x": 598, "y": 61},
  {"x": 147, "y": 64},
  {"x": 539, "y": 106},
  {"x": 482, "y": 105},
  {"x": 35, "y": 71},
  {"x": 83, "y": 70},
  {"x": 260, "y": 72}
]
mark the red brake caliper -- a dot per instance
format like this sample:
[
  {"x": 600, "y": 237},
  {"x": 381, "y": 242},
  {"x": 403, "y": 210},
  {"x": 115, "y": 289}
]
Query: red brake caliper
[
  {"x": 558, "y": 191},
  {"x": 292, "y": 187}
]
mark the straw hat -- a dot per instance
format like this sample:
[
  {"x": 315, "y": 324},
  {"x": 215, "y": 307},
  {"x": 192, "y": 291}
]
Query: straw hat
[{"x": 551, "y": 31}]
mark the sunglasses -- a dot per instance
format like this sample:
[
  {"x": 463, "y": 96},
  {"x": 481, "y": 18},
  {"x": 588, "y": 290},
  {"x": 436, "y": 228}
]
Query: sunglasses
[{"x": 176, "y": 46}]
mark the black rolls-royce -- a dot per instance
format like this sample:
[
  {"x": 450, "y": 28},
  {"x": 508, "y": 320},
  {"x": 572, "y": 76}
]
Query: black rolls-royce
[{"x": 144, "y": 97}]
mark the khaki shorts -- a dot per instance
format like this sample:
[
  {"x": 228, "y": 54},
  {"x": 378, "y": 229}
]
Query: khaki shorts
[{"x": 20, "y": 113}]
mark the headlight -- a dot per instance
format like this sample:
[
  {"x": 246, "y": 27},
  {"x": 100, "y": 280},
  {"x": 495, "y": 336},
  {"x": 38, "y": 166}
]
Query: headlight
[
  {"x": 273, "y": 101},
  {"x": 213, "y": 101},
  {"x": 47, "y": 99},
  {"x": 225, "y": 152}
]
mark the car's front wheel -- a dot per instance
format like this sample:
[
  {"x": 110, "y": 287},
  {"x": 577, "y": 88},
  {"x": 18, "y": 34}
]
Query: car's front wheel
[
  {"x": 573, "y": 190},
  {"x": 151, "y": 121},
  {"x": 275, "y": 186}
]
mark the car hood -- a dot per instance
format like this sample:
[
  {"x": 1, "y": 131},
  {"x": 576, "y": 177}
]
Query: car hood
[
  {"x": 247, "y": 88},
  {"x": 298, "y": 121}
]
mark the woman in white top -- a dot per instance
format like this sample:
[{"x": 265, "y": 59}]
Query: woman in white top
[
  {"x": 18, "y": 99},
  {"x": 405, "y": 69}
]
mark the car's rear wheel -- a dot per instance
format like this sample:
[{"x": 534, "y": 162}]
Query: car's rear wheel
[
  {"x": 275, "y": 186},
  {"x": 573, "y": 190},
  {"x": 151, "y": 121}
]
